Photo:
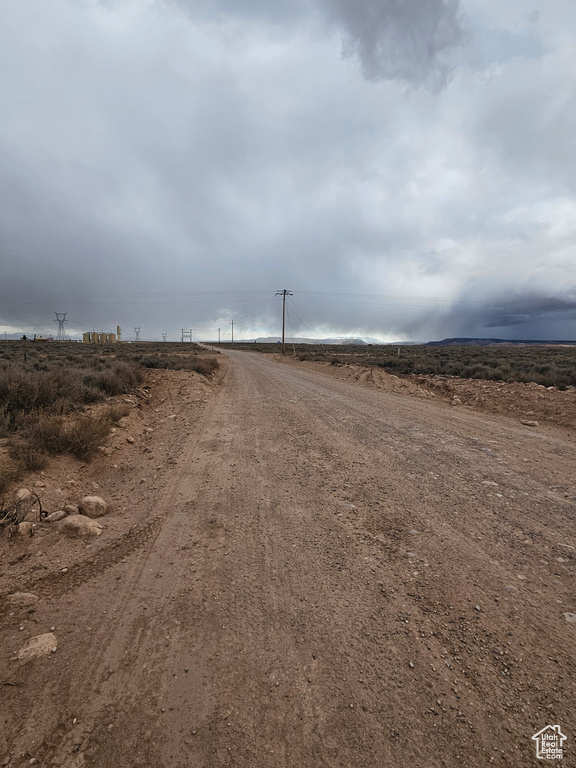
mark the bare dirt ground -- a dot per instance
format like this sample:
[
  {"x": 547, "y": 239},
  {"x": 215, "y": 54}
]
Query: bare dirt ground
[
  {"x": 298, "y": 571},
  {"x": 525, "y": 402}
]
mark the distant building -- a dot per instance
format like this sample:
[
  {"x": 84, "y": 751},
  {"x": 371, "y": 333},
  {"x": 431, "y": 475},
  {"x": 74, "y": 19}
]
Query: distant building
[{"x": 98, "y": 337}]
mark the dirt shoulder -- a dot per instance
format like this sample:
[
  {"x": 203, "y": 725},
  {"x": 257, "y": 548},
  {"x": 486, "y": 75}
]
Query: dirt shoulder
[
  {"x": 515, "y": 400},
  {"x": 132, "y": 466}
]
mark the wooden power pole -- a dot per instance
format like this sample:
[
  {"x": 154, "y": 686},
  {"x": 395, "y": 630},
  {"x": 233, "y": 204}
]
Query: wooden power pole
[{"x": 283, "y": 293}]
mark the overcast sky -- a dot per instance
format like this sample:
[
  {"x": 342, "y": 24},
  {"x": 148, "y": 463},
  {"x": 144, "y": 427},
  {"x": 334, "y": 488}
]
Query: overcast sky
[{"x": 406, "y": 167}]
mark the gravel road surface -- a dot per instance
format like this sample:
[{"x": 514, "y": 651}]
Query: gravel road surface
[{"x": 326, "y": 575}]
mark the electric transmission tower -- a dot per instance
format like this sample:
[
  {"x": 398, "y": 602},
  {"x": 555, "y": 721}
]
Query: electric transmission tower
[
  {"x": 164, "y": 336},
  {"x": 61, "y": 319},
  {"x": 137, "y": 332}
]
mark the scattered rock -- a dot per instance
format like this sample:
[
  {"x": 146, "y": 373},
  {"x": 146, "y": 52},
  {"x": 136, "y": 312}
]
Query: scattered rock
[
  {"x": 510, "y": 588},
  {"x": 22, "y": 494},
  {"x": 570, "y": 618},
  {"x": 529, "y": 423},
  {"x": 93, "y": 506},
  {"x": 456, "y": 401},
  {"x": 25, "y": 529},
  {"x": 39, "y": 484},
  {"x": 72, "y": 509},
  {"x": 80, "y": 525},
  {"x": 55, "y": 516},
  {"x": 22, "y": 599},
  {"x": 41, "y": 645},
  {"x": 491, "y": 483},
  {"x": 130, "y": 439}
]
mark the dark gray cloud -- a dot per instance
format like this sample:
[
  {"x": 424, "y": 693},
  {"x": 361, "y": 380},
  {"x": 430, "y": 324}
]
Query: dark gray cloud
[
  {"x": 534, "y": 312},
  {"x": 404, "y": 40},
  {"x": 151, "y": 152}
]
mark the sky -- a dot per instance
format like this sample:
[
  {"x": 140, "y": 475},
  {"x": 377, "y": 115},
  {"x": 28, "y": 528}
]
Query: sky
[{"x": 406, "y": 168}]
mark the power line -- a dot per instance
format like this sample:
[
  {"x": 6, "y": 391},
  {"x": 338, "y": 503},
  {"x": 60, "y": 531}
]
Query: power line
[
  {"x": 305, "y": 323},
  {"x": 256, "y": 311}
]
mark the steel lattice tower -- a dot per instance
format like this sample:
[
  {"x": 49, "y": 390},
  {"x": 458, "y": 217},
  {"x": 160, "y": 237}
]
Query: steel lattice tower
[
  {"x": 137, "y": 332},
  {"x": 61, "y": 319}
]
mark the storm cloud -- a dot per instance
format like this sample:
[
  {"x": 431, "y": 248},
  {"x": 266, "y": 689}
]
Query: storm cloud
[
  {"x": 400, "y": 40},
  {"x": 406, "y": 40},
  {"x": 406, "y": 168}
]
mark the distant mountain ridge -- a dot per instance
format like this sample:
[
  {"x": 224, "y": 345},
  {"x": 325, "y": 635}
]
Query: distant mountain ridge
[
  {"x": 303, "y": 340},
  {"x": 479, "y": 342}
]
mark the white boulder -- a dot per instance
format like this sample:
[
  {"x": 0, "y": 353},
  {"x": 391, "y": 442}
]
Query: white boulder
[
  {"x": 80, "y": 525},
  {"x": 93, "y": 506}
]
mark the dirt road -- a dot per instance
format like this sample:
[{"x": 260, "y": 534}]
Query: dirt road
[{"x": 323, "y": 575}]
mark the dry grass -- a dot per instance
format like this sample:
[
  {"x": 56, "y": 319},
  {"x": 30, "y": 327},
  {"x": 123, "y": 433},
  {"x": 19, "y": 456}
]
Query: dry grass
[
  {"x": 48, "y": 392},
  {"x": 551, "y": 366},
  {"x": 199, "y": 363},
  {"x": 12, "y": 513},
  {"x": 79, "y": 435},
  {"x": 10, "y": 471}
]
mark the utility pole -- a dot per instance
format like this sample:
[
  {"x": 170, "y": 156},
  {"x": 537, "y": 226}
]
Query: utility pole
[
  {"x": 283, "y": 293},
  {"x": 232, "y": 324},
  {"x": 218, "y": 336},
  {"x": 137, "y": 332}
]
